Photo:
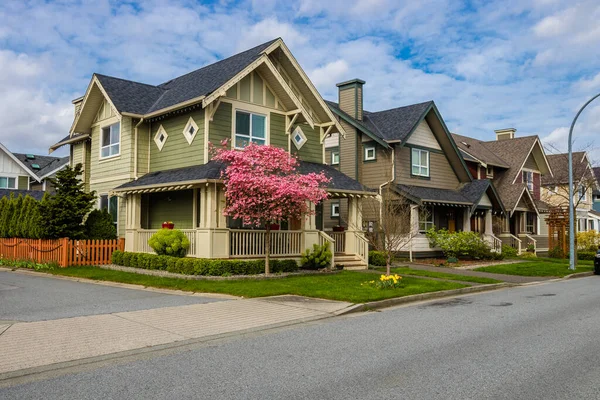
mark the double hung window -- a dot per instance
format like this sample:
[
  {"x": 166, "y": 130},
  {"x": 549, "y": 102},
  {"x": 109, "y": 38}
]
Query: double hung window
[
  {"x": 110, "y": 140},
  {"x": 250, "y": 128}
]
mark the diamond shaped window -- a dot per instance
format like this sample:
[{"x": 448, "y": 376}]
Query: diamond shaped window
[
  {"x": 161, "y": 137},
  {"x": 190, "y": 130},
  {"x": 299, "y": 138}
]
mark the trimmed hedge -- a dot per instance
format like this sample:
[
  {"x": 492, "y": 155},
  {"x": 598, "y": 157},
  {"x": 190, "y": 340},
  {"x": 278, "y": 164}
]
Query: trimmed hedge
[
  {"x": 586, "y": 255},
  {"x": 200, "y": 266}
]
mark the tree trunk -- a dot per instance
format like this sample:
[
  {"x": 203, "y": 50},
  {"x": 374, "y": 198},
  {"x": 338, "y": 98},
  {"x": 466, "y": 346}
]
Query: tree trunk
[
  {"x": 267, "y": 248},
  {"x": 388, "y": 259}
]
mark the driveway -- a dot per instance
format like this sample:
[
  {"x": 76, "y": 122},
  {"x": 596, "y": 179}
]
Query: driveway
[{"x": 26, "y": 298}]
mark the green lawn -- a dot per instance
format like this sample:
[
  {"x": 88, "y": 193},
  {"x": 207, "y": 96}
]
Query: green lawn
[
  {"x": 442, "y": 275},
  {"x": 344, "y": 286},
  {"x": 539, "y": 267}
]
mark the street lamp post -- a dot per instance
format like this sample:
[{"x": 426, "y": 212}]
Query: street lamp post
[{"x": 572, "y": 249}]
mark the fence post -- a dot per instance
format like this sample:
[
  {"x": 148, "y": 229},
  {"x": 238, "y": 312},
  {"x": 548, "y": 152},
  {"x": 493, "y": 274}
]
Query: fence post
[
  {"x": 122, "y": 244},
  {"x": 64, "y": 262}
]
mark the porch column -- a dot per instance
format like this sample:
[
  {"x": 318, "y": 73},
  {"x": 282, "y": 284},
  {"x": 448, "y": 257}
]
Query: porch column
[
  {"x": 310, "y": 233},
  {"x": 466, "y": 220},
  {"x": 414, "y": 219},
  {"x": 133, "y": 217},
  {"x": 354, "y": 224},
  {"x": 488, "y": 223}
]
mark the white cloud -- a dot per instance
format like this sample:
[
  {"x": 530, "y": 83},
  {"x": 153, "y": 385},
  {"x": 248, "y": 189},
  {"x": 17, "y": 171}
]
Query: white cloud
[{"x": 330, "y": 74}]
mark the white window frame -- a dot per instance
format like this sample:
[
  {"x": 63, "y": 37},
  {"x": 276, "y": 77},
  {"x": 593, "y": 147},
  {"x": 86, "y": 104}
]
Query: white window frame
[
  {"x": 298, "y": 132},
  {"x": 420, "y": 165},
  {"x": 489, "y": 171},
  {"x": 370, "y": 157},
  {"x": 109, "y": 127},
  {"x": 527, "y": 181},
  {"x": 186, "y": 130},
  {"x": 335, "y": 157},
  {"x": 248, "y": 110},
  {"x": 161, "y": 131},
  {"x": 582, "y": 193},
  {"x": 8, "y": 178},
  {"x": 335, "y": 209},
  {"x": 427, "y": 224}
]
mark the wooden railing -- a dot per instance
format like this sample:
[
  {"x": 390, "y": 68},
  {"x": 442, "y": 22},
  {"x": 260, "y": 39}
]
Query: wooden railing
[
  {"x": 512, "y": 241},
  {"x": 325, "y": 238},
  {"x": 361, "y": 244},
  {"x": 530, "y": 239},
  {"x": 495, "y": 243},
  {"x": 340, "y": 241},
  {"x": 65, "y": 252},
  {"x": 251, "y": 243}
]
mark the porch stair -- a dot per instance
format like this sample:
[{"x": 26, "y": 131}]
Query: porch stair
[{"x": 350, "y": 261}]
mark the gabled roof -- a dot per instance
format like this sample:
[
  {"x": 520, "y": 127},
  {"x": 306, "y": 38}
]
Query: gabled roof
[
  {"x": 46, "y": 164},
  {"x": 597, "y": 175},
  {"x": 211, "y": 171},
  {"x": 396, "y": 124},
  {"x": 560, "y": 166},
  {"x": 477, "y": 149},
  {"x": 356, "y": 123},
  {"x": 139, "y": 98},
  {"x": 19, "y": 162}
]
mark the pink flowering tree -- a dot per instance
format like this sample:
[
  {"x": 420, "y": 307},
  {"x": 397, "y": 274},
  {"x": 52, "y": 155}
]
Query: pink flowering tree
[{"x": 264, "y": 187}]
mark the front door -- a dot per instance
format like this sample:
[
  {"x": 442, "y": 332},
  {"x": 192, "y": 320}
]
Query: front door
[{"x": 451, "y": 221}]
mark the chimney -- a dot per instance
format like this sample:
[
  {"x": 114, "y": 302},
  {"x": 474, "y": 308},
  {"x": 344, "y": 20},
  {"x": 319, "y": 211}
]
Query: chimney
[
  {"x": 350, "y": 97},
  {"x": 505, "y": 134}
]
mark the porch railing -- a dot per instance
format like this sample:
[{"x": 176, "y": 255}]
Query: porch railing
[
  {"x": 361, "y": 244},
  {"x": 512, "y": 241},
  {"x": 496, "y": 243},
  {"x": 340, "y": 241},
  {"x": 251, "y": 243},
  {"x": 325, "y": 238},
  {"x": 145, "y": 234},
  {"x": 531, "y": 240}
]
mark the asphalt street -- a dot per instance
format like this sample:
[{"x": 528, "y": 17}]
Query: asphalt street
[
  {"x": 36, "y": 298},
  {"x": 533, "y": 342}
]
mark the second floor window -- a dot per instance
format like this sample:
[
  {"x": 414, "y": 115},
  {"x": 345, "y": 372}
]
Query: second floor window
[
  {"x": 335, "y": 157},
  {"x": 420, "y": 162},
  {"x": 528, "y": 179},
  {"x": 335, "y": 209},
  {"x": 370, "y": 153},
  {"x": 582, "y": 193},
  {"x": 250, "y": 128},
  {"x": 110, "y": 140},
  {"x": 8, "y": 183},
  {"x": 110, "y": 204}
]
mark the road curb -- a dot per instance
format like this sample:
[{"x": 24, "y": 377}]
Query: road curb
[
  {"x": 579, "y": 275},
  {"x": 374, "y": 305}
]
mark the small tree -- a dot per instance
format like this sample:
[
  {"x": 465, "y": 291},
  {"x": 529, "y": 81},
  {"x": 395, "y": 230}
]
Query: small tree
[
  {"x": 392, "y": 230},
  {"x": 99, "y": 225},
  {"x": 263, "y": 187},
  {"x": 63, "y": 213}
]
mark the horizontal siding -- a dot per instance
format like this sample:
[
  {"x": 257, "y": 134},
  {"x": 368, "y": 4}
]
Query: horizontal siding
[
  {"x": 423, "y": 136},
  {"x": 332, "y": 140},
  {"x": 23, "y": 182},
  {"x": 177, "y": 152},
  {"x": 441, "y": 173},
  {"x": 220, "y": 126},
  {"x": 313, "y": 149},
  {"x": 277, "y": 135},
  {"x": 347, "y": 101},
  {"x": 143, "y": 148},
  {"x": 531, "y": 164},
  {"x": 348, "y": 151},
  {"x": 171, "y": 206},
  {"x": 77, "y": 154},
  {"x": 102, "y": 169}
]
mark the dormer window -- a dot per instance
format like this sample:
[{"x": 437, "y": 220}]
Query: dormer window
[
  {"x": 160, "y": 138},
  {"x": 110, "y": 138},
  {"x": 298, "y": 137},
  {"x": 190, "y": 130}
]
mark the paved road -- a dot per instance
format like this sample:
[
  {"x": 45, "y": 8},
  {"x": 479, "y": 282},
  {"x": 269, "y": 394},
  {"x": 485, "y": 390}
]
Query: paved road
[
  {"x": 37, "y": 298},
  {"x": 534, "y": 342}
]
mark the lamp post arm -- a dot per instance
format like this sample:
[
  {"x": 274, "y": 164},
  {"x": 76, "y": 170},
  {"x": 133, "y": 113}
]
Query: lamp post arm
[{"x": 572, "y": 249}]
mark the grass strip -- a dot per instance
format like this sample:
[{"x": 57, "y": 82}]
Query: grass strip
[{"x": 441, "y": 275}]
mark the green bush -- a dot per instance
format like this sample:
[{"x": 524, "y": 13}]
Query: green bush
[
  {"x": 317, "y": 258},
  {"x": 588, "y": 241},
  {"x": 528, "y": 254},
  {"x": 99, "y": 225},
  {"x": 460, "y": 244},
  {"x": 200, "y": 266},
  {"x": 586, "y": 255},
  {"x": 377, "y": 258},
  {"x": 509, "y": 251},
  {"x": 169, "y": 242},
  {"x": 556, "y": 252}
]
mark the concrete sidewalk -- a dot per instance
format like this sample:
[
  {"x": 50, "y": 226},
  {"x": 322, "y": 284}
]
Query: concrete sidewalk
[{"x": 26, "y": 345}]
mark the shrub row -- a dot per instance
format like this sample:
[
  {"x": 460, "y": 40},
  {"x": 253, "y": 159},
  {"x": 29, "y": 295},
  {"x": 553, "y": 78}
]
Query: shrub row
[
  {"x": 377, "y": 258},
  {"x": 200, "y": 266},
  {"x": 586, "y": 255}
]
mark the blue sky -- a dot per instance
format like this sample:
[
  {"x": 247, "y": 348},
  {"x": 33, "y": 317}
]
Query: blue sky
[{"x": 527, "y": 64}]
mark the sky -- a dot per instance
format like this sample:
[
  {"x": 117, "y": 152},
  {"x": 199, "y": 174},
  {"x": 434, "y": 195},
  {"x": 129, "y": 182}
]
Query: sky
[{"x": 526, "y": 64}]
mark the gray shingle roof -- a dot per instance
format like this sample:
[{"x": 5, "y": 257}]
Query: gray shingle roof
[
  {"x": 46, "y": 163},
  {"x": 36, "y": 194},
  {"x": 421, "y": 193},
  {"x": 478, "y": 149},
  {"x": 559, "y": 163},
  {"x": 139, "y": 98},
  {"x": 213, "y": 169},
  {"x": 396, "y": 123}
]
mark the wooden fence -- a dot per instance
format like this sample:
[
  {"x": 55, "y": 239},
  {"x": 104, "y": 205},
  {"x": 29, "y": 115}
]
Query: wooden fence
[{"x": 65, "y": 252}]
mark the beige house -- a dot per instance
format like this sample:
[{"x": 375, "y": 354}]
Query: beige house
[
  {"x": 555, "y": 189},
  {"x": 516, "y": 166},
  {"x": 410, "y": 149},
  {"x": 145, "y": 149}
]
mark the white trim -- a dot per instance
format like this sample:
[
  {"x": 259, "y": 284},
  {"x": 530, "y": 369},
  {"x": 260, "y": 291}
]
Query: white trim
[
  {"x": 366, "y": 155},
  {"x": 420, "y": 165},
  {"x": 251, "y": 112},
  {"x": 191, "y": 123},
  {"x": 206, "y": 135},
  {"x": 161, "y": 131},
  {"x": 16, "y": 178},
  {"x": 15, "y": 159},
  {"x": 298, "y": 131},
  {"x": 58, "y": 169},
  {"x": 338, "y": 157},
  {"x": 335, "y": 205},
  {"x": 85, "y": 98},
  {"x": 111, "y": 156}
]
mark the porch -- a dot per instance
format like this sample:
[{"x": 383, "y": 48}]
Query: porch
[{"x": 197, "y": 210}]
